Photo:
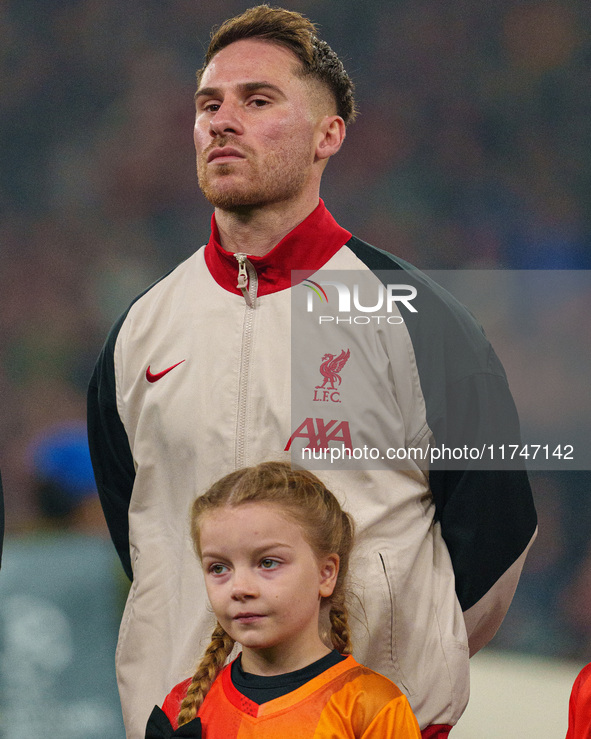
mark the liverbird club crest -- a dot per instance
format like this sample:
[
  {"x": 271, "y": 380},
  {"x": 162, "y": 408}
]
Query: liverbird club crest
[{"x": 330, "y": 369}]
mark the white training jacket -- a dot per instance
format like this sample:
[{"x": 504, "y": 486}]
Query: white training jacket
[{"x": 196, "y": 380}]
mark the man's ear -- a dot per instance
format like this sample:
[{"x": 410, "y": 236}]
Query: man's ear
[
  {"x": 332, "y": 134},
  {"x": 329, "y": 570}
]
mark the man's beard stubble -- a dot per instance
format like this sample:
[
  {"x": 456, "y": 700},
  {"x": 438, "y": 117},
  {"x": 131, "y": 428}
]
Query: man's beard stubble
[{"x": 279, "y": 179}]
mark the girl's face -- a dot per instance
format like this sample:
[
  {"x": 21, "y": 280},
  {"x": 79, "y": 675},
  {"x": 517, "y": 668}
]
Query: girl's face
[{"x": 265, "y": 585}]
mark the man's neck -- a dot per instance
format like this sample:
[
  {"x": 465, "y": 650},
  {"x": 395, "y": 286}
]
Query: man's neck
[{"x": 255, "y": 231}]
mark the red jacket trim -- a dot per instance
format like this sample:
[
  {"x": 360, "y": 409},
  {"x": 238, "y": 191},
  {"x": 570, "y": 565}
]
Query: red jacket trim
[{"x": 307, "y": 247}]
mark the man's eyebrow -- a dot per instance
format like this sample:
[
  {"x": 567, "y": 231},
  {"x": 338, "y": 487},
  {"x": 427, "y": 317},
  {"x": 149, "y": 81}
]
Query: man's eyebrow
[
  {"x": 253, "y": 86},
  {"x": 209, "y": 91},
  {"x": 244, "y": 87}
]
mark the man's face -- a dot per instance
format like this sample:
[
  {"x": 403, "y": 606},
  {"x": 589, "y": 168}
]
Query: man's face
[{"x": 255, "y": 127}]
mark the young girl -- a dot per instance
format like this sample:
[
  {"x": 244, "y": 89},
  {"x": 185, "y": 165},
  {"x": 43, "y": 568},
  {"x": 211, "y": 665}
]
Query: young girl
[{"x": 274, "y": 545}]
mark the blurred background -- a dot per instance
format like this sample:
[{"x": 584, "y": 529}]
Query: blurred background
[{"x": 472, "y": 151}]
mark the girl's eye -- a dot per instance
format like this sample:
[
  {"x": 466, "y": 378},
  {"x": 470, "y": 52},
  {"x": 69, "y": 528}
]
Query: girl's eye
[
  {"x": 269, "y": 564},
  {"x": 218, "y": 569}
]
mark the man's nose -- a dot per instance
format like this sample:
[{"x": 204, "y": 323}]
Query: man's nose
[{"x": 226, "y": 120}]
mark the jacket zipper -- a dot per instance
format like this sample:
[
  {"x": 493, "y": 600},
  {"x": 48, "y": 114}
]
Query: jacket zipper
[
  {"x": 247, "y": 279},
  {"x": 248, "y": 285}
]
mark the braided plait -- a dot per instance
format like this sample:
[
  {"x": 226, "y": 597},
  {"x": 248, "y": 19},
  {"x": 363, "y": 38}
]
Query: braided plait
[
  {"x": 340, "y": 635},
  {"x": 211, "y": 665}
]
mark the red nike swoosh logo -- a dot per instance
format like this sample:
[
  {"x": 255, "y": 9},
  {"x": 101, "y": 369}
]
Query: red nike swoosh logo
[{"x": 159, "y": 375}]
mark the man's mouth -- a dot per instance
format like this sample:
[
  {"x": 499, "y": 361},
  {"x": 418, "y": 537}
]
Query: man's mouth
[{"x": 224, "y": 154}]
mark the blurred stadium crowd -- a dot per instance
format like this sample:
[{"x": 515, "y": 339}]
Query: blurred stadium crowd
[{"x": 472, "y": 150}]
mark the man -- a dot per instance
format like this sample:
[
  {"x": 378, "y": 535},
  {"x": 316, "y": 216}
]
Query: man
[{"x": 194, "y": 381}]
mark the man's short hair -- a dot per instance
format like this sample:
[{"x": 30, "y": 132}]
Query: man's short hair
[{"x": 297, "y": 33}]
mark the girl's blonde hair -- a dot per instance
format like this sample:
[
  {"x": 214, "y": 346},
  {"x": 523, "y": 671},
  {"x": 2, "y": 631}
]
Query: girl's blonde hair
[{"x": 325, "y": 526}]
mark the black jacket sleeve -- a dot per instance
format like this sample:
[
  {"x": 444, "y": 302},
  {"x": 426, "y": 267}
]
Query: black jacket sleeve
[
  {"x": 485, "y": 508},
  {"x": 484, "y": 503},
  {"x": 110, "y": 452}
]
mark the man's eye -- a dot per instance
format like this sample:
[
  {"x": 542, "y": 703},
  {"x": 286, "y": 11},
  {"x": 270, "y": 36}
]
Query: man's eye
[
  {"x": 259, "y": 102},
  {"x": 211, "y": 107}
]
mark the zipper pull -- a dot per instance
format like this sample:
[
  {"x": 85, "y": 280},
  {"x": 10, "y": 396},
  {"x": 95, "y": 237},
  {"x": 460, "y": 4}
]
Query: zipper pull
[
  {"x": 243, "y": 278},
  {"x": 242, "y": 273}
]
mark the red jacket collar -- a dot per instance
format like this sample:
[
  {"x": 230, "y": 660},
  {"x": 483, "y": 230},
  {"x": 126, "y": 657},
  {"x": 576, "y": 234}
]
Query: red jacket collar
[{"x": 308, "y": 247}]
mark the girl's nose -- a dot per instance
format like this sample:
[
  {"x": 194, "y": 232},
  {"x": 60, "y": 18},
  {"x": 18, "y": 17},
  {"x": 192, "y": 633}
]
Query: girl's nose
[{"x": 244, "y": 585}]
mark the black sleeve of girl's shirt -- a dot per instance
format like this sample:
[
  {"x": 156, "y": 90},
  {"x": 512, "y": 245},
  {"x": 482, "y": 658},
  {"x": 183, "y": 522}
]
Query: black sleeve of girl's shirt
[{"x": 159, "y": 727}]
